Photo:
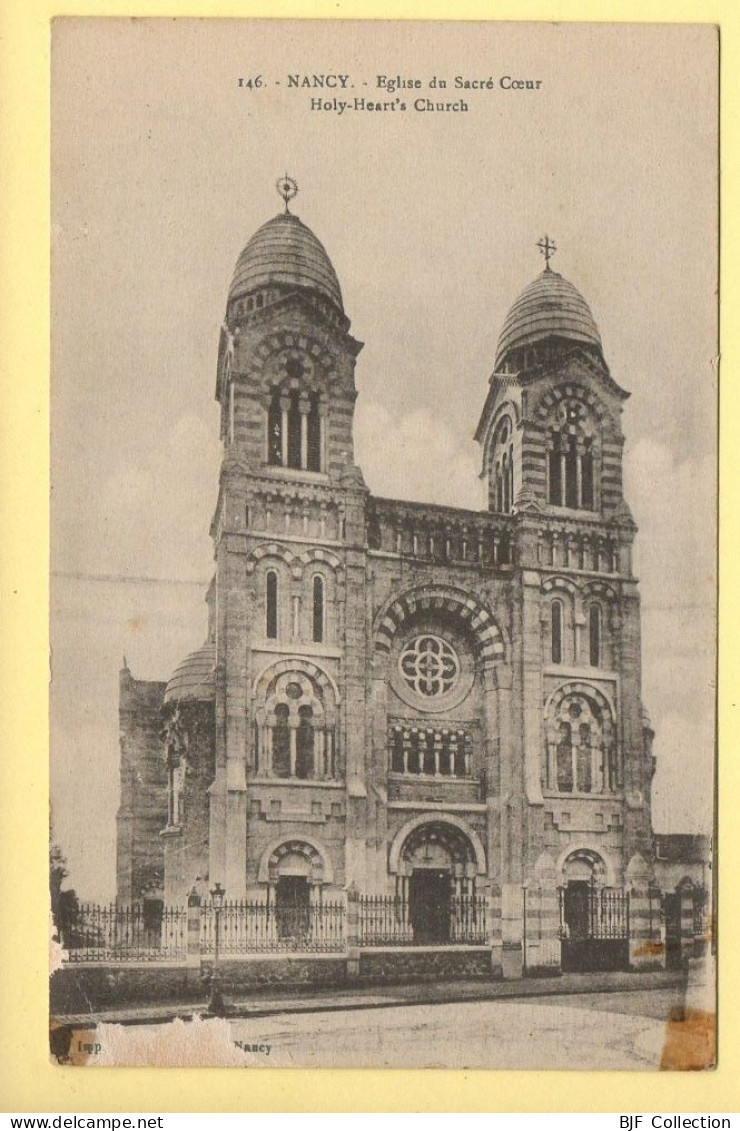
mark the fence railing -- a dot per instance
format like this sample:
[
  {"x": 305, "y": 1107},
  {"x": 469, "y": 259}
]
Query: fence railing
[
  {"x": 386, "y": 920},
  {"x": 111, "y": 932},
  {"x": 594, "y": 913},
  {"x": 253, "y": 927}
]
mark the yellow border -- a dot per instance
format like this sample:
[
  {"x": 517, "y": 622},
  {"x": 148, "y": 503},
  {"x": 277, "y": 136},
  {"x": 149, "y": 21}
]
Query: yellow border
[{"x": 30, "y": 1082}]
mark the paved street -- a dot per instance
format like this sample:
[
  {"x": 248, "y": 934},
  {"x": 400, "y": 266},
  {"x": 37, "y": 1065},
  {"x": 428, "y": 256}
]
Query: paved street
[
  {"x": 608, "y": 1031},
  {"x": 607, "y": 1021}
]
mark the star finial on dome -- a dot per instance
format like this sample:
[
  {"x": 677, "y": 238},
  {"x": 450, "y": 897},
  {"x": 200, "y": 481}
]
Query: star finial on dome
[
  {"x": 287, "y": 188},
  {"x": 548, "y": 249}
]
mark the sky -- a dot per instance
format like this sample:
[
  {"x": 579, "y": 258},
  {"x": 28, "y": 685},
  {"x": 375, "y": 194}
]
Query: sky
[{"x": 163, "y": 166}]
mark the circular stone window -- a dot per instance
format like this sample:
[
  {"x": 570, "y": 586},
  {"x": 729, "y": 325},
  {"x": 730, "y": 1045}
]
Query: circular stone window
[
  {"x": 432, "y": 673},
  {"x": 429, "y": 666}
]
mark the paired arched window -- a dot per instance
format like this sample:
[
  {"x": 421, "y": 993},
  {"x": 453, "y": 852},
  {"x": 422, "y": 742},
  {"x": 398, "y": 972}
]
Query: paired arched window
[
  {"x": 295, "y": 729},
  {"x": 318, "y": 609},
  {"x": 295, "y": 431},
  {"x": 594, "y": 636},
  {"x": 581, "y": 744},
  {"x": 570, "y": 469},
  {"x": 271, "y": 605},
  {"x": 556, "y": 631}
]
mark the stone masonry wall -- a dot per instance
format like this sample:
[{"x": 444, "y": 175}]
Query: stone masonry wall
[{"x": 142, "y": 812}]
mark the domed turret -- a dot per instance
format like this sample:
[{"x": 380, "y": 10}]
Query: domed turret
[
  {"x": 194, "y": 678},
  {"x": 285, "y": 252},
  {"x": 549, "y": 308}
]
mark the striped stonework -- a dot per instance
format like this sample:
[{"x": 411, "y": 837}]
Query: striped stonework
[
  {"x": 494, "y": 926},
  {"x": 443, "y": 600},
  {"x": 687, "y": 923},
  {"x": 541, "y": 929},
  {"x": 646, "y": 945}
]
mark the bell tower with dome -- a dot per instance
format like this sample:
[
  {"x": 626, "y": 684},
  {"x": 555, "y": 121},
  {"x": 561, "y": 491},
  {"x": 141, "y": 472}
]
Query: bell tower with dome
[
  {"x": 289, "y": 515},
  {"x": 429, "y": 710},
  {"x": 552, "y": 441}
]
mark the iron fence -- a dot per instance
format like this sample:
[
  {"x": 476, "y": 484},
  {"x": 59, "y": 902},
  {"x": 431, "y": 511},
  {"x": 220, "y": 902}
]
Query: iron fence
[
  {"x": 113, "y": 932},
  {"x": 594, "y": 913},
  {"x": 253, "y": 927},
  {"x": 386, "y": 920}
]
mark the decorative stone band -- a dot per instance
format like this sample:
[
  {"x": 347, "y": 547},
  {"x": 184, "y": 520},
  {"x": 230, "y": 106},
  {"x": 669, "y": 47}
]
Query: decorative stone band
[
  {"x": 466, "y": 608},
  {"x": 296, "y": 562},
  {"x": 571, "y": 391}
]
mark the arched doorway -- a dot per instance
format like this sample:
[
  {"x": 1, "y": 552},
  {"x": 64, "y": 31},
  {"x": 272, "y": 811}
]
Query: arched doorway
[
  {"x": 436, "y": 881},
  {"x": 594, "y": 918}
]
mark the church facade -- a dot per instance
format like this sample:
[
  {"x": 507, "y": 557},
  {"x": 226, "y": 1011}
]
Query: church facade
[{"x": 398, "y": 698}]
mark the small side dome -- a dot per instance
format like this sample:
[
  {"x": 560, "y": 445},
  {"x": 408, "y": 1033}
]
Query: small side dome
[
  {"x": 550, "y": 307},
  {"x": 194, "y": 678},
  {"x": 285, "y": 251}
]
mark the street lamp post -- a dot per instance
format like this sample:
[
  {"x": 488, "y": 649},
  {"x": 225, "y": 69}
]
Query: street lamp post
[{"x": 217, "y": 1005}]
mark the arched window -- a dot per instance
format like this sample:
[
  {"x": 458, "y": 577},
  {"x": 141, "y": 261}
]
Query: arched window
[
  {"x": 571, "y": 474},
  {"x": 296, "y": 728},
  {"x": 294, "y": 431},
  {"x": 281, "y": 743},
  {"x": 587, "y": 475},
  {"x": 594, "y": 636},
  {"x": 573, "y": 444},
  {"x": 556, "y": 632},
  {"x": 501, "y": 465},
  {"x": 271, "y": 605},
  {"x": 314, "y": 436},
  {"x": 318, "y": 609},
  {"x": 505, "y": 474},
  {"x": 581, "y": 744},
  {"x": 555, "y": 471},
  {"x": 275, "y": 432},
  {"x": 304, "y": 767},
  {"x": 565, "y": 760}
]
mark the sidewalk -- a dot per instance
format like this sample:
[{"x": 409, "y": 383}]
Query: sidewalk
[{"x": 267, "y": 1002}]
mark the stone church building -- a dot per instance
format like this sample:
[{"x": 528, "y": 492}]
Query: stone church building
[{"x": 407, "y": 699}]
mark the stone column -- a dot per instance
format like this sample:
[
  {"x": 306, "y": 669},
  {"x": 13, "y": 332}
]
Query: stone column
[
  {"x": 687, "y": 924},
  {"x": 542, "y": 926},
  {"x": 494, "y": 928},
  {"x": 303, "y": 407},
  {"x": 322, "y": 444},
  {"x": 284, "y": 410},
  {"x": 352, "y": 925},
  {"x": 645, "y": 949},
  {"x": 193, "y": 954}
]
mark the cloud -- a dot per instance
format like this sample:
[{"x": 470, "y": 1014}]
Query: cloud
[
  {"x": 416, "y": 456},
  {"x": 152, "y": 518},
  {"x": 674, "y": 503}
]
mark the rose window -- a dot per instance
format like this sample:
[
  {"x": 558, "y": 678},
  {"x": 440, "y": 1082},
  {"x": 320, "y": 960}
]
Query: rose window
[{"x": 429, "y": 666}]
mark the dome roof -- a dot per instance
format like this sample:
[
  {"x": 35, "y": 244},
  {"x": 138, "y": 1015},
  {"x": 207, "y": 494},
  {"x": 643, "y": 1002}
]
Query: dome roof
[
  {"x": 549, "y": 307},
  {"x": 195, "y": 677},
  {"x": 285, "y": 251}
]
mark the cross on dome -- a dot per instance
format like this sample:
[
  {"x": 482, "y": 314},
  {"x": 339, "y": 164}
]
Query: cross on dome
[
  {"x": 548, "y": 249},
  {"x": 287, "y": 188}
]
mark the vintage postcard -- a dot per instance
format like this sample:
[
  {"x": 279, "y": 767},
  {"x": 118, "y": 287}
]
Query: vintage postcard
[{"x": 383, "y": 596}]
